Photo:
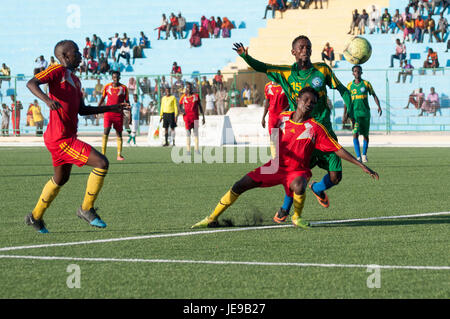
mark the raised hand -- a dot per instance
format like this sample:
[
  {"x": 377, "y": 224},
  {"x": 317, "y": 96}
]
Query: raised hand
[{"x": 239, "y": 48}]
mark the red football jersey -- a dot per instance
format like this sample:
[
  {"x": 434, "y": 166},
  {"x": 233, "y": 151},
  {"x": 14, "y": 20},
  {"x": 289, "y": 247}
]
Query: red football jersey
[
  {"x": 115, "y": 95},
  {"x": 298, "y": 141},
  {"x": 65, "y": 88},
  {"x": 190, "y": 105},
  {"x": 278, "y": 101}
]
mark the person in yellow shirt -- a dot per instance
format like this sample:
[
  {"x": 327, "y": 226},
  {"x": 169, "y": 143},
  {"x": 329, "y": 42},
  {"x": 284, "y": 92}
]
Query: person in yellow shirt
[
  {"x": 169, "y": 115},
  {"x": 38, "y": 119},
  {"x": 52, "y": 61}
]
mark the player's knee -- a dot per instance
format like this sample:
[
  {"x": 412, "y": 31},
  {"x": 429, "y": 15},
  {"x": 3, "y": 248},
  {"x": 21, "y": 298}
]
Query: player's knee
[
  {"x": 61, "y": 180},
  {"x": 336, "y": 177},
  {"x": 103, "y": 163},
  {"x": 298, "y": 186}
]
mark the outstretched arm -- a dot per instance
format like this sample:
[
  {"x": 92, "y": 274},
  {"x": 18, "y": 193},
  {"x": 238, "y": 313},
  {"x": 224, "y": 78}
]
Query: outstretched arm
[
  {"x": 88, "y": 110},
  {"x": 342, "y": 153},
  {"x": 255, "y": 64}
]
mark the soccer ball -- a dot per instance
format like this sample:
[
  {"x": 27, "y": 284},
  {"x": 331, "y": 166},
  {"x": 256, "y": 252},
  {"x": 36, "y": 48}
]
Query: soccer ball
[{"x": 357, "y": 50}]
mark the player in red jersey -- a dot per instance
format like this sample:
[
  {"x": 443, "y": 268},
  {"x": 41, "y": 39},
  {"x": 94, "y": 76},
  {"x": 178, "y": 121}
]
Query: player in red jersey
[
  {"x": 190, "y": 108},
  {"x": 66, "y": 103},
  {"x": 116, "y": 93},
  {"x": 300, "y": 135},
  {"x": 275, "y": 102}
]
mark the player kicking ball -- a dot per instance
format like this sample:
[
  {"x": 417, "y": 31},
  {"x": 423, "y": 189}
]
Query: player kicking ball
[
  {"x": 299, "y": 136},
  {"x": 65, "y": 101}
]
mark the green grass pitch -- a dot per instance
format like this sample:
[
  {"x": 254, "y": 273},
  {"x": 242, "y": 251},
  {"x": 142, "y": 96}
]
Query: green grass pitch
[{"x": 149, "y": 195}]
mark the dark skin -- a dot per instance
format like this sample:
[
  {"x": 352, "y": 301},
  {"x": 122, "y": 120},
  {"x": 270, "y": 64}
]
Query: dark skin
[
  {"x": 305, "y": 105},
  {"x": 69, "y": 56},
  {"x": 301, "y": 50},
  {"x": 115, "y": 83},
  {"x": 189, "y": 93}
]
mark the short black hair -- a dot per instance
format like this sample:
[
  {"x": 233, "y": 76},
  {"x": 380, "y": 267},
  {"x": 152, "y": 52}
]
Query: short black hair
[
  {"x": 308, "y": 89},
  {"x": 61, "y": 44},
  {"x": 115, "y": 72},
  {"x": 300, "y": 37},
  {"x": 356, "y": 66}
]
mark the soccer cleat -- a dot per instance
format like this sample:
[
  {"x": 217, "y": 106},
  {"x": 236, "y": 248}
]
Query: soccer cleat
[
  {"x": 322, "y": 201},
  {"x": 298, "y": 222},
  {"x": 280, "y": 216},
  {"x": 39, "y": 224},
  {"x": 364, "y": 159},
  {"x": 91, "y": 217},
  {"x": 120, "y": 158},
  {"x": 359, "y": 159},
  {"x": 206, "y": 222}
]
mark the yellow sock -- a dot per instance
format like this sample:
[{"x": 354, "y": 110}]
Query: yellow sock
[
  {"x": 51, "y": 189},
  {"x": 299, "y": 203},
  {"x": 104, "y": 142},
  {"x": 188, "y": 143},
  {"x": 94, "y": 185},
  {"x": 225, "y": 202},
  {"x": 119, "y": 146},
  {"x": 273, "y": 149},
  {"x": 196, "y": 143}
]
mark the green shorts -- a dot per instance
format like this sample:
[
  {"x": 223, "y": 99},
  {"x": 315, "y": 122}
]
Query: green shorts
[
  {"x": 362, "y": 125},
  {"x": 327, "y": 161}
]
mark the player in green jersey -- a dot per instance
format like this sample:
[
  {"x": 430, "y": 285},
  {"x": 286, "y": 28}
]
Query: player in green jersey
[
  {"x": 360, "y": 111},
  {"x": 293, "y": 78}
]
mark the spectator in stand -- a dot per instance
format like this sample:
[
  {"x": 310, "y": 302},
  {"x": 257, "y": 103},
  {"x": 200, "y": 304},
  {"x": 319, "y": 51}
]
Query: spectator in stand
[
  {"x": 218, "y": 79},
  {"x": 164, "y": 84},
  {"x": 435, "y": 3},
  {"x": 415, "y": 13},
  {"x": 181, "y": 25},
  {"x": 419, "y": 29},
  {"x": 374, "y": 20},
  {"x": 97, "y": 45},
  {"x": 175, "y": 72},
  {"x": 53, "y": 61},
  {"x": 204, "y": 27},
  {"x": 432, "y": 61},
  {"x": 441, "y": 28},
  {"x": 6, "y": 111},
  {"x": 163, "y": 27},
  {"x": 355, "y": 21},
  {"x": 173, "y": 25},
  {"x": 114, "y": 65},
  {"x": 113, "y": 47},
  {"x": 143, "y": 41},
  {"x": 124, "y": 52},
  {"x": 132, "y": 85},
  {"x": 30, "y": 121},
  {"x": 386, "y": 21},
  {"x": 272, "y": 5},
  {"x": 246, "y": 94},
  {"x": 16, "y": 107},
  {"x": 103, "y": 67},
  {"x": 409, "y": 28},
  {"x": 407, "y": 69},
  {"x": 431, "y": 104},
  {"x": 83, "y": 68},
  {"x": 205, "y": 85},
  {"x": 145, "y": 86},
  {"x": 125, "y": 40},
  {"x": 416, "y": 98},
  {"x": 362, "y": 22},
  {"x": 221, "y": 98},
  {"x": 226, "y": 27},
  {"x": 397, "y": 22},
  {"x": 195, "y": 39},
  {"x": 218, "y": 27},
  {"x": 38, "y": 119},
  {"x": 98, "y": 90},
  {"x": 400, "y": 52},
  {"x": 328, "y": 54},
  {"x": 92, "y": 66},
  {"x": 255, "y": 96},
  {"x": 234, "y": 99},
  {"x": 178, "y": 88},
  {"x": 315, "y": 3},
  {"x": 210, "y": 102},
  {"x": 5, "y": 73},
  {"x": 212, "y": 27},
  {"x": 87, "y": 52},
  {"x": 430, "y": 27},
  {"x": 41, "y": 64}
]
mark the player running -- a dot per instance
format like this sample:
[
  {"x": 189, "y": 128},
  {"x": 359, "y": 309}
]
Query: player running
[
  {"x": 300, "y": 135},
  {"x": 293, "y": 78},
  {"x": 116, "y": 93},
  {"x": 190, "y": 106},
  {"x": 66, "y": 102},
  {"x": 360, "y": 111},
  {"x": 275, "y": 102}
]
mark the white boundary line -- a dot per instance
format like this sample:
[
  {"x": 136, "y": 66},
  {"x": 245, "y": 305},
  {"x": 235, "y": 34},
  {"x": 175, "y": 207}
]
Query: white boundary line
[
  {"x": 219, "y": 262},
  {"x": 191, "y": 233}
]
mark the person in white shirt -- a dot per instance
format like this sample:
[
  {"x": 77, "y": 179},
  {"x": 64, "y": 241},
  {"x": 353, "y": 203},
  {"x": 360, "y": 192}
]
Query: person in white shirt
[
  {"x": 124, "y": 53},
  {"x": 210, "y": 102},
  {"x": 374, "y": 20}
]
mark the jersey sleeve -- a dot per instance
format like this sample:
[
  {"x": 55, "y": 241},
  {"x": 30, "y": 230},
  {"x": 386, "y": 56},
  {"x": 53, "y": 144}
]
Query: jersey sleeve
[
  {"x": 104, "y": 90},
  {"x": 369, "y": 88},
  {"x": 51, "y": 74},
  {"x": 324, "y": 141}
]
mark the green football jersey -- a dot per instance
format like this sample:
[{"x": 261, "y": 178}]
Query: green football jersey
[
  {"x": 360, "y": 93},
  {"x": 292, "y": 80}
]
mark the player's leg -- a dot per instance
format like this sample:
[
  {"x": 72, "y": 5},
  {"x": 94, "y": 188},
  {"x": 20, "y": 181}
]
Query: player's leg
[
  {"x": 244, "y": 184},
  {"x": 100, "y": 165},
  {"x": 118, "y": 127},
  {"x": 298, "y": 187},
  {"x": 188, "y": 141},
  {"x": 50, "y": 191},
  {"x": 196, "y": 141},
  {"x": 364, "y": 130},
  {"x": 333, "y": 165},
  {"x": 356, "y": 145},
  {"x": 106, "y": 131}
]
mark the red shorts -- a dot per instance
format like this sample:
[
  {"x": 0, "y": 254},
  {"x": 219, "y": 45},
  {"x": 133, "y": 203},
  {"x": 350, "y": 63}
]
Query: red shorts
[
  {"x": 265, "y": 175},
  {"x": 113, "y": 119},
  {"x": 69, "y": 151},
  {"x": 189, "y": 122}
]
